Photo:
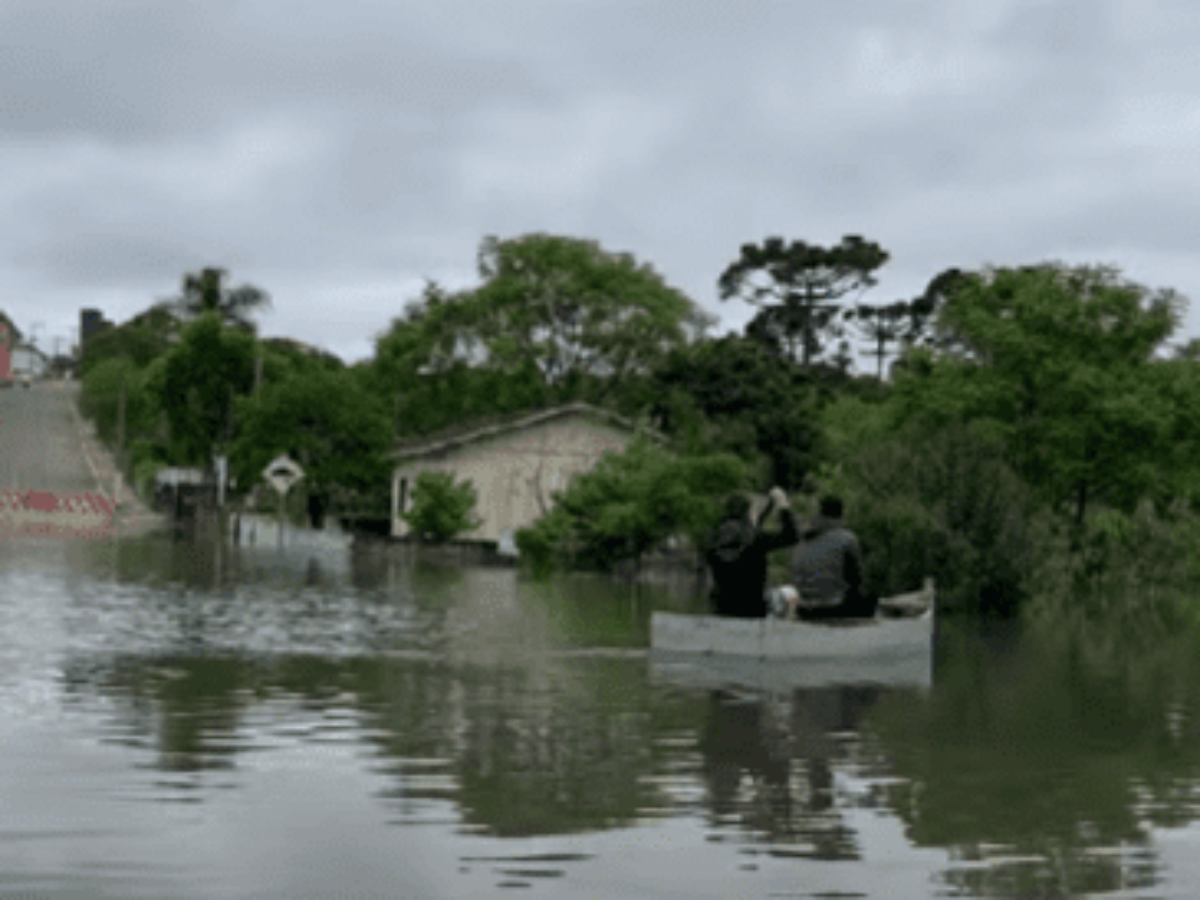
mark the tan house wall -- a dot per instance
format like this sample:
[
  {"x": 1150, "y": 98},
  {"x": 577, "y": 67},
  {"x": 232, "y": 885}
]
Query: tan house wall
[{"x": 514, "y": 473}]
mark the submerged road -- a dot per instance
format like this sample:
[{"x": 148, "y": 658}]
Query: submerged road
[{"x": 47, "y": 451}]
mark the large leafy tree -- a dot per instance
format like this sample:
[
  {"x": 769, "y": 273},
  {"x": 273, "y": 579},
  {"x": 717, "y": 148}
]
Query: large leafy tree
[
  {"x": 141, "y": 340},
  {"x": 728, "y": 394},
  {"x": 903, "y": 322},
  {"x": 1059, "y": 360},
  {"x": 555, "y": 319},
  {"x": 208, "y": 291},
  {"x": 339, "y": 434},
  {"x": 195, "y": 385},
  {"x": 430, "y": 368},
  {"x": 575, "y": 310},
  {"x": 100, "y": 399},
  {"x": 798, "y": 287}
]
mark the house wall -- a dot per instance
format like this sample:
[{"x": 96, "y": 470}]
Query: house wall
[
  {"x": 28, "y": 361},
  {"x": 515, "y": 473}
]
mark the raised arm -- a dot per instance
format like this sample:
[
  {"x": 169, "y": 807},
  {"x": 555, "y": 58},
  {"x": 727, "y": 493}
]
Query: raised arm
[{"x": 789, "y": 534}]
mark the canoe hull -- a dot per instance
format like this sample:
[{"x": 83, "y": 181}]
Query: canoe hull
[{"x": 766, "y": 653}]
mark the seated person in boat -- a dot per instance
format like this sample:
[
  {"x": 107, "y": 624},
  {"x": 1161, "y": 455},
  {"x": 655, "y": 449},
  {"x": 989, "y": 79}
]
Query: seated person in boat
[
  {"x": 827, "y": 568},
  {"x": 736, "y": 553}
]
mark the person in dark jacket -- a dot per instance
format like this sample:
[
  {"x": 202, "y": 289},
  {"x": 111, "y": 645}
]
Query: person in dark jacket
[
  {"x": 827, "y": 568},
  {"x": 736, "y": 553}
]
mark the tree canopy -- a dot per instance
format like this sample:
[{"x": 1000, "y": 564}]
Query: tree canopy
[
  {"x": 555, "y": 319},
  {"x": 797, "y": 287},
  {"x": 195, "y": 384},
  {"x": 1056, "y": 358},
  {"x": 141, "y": 340},
  {"x": 729, "y": 395},
  {"x": 206, "y": 291},
  {"x": 339, "y": 435}
]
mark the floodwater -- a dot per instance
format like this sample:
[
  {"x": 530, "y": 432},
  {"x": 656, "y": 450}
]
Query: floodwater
[{"x": 184, "y": 719}]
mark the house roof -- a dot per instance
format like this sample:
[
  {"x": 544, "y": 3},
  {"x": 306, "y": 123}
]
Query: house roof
[
  {"x": 29, "y": 348},
  {"x": 459, "y": 436}
]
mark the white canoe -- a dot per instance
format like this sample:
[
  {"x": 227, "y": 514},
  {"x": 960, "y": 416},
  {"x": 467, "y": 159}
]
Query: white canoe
[{"x": 708, "y": 651}]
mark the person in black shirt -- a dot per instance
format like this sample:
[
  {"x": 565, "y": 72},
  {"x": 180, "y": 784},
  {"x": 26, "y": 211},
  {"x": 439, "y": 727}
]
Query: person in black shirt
[{"x": 736, "y": 553}]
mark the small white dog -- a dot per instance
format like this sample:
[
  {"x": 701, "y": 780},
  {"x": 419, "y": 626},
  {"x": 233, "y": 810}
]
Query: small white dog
[{"x": 782, "y": 602}]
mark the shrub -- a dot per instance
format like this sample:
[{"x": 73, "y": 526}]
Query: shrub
[
  {"x": 441, "y": 508},
  {"x": 945, "y": 504},
  {"x": 629, "y": 504},
  {"x": 1140, "y": 570}
]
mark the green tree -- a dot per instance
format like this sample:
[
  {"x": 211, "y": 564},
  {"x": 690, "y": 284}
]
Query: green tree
[
  {"x": 1058, "y": 360},
  {"x": 902, "y": 322},
  {"x": 1176, "y": 384},
  {"x": 630, "y": 503},
  {"x": 574, "y": 309},
  {"x": 100, "y": 399},
  {"x": 797, "y": 287},
  {"x": 339, "y": 434},
  {"x": 728, "y": 395},
  {"x": 195, "y": 385},
  {"x": 206, "y": 291},
  {"x": 441, "y": 508},
  {"x": 555, "y": 319},
  {"x": 294, "y": 357},
  {"x": 428, "y": 368},
  {"x": 142, "y": 339},
  {"x": 941, "y": 502}
]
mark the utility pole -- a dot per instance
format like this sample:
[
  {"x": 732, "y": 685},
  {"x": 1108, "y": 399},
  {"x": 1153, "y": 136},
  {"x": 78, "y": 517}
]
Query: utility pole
[{"x": 120, "y": 439}]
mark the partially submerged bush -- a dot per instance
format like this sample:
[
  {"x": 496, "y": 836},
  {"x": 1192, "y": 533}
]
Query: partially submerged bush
[
  {"x": 947, "y": 505},
  {"x": 629, "y": 505},
  {"x": 441, "y": 508},
  {"x": 1141, "y": 569}
]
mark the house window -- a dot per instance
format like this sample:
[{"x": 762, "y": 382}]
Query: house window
[{"x": 403, "y": 495}]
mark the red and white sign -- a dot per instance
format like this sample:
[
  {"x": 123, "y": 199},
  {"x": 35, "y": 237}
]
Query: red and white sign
[{"x": 44, "y": 514}]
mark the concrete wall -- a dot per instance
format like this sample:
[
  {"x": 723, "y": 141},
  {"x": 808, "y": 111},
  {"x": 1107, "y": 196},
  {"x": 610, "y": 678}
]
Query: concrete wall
[{"x": 515, "y": 473}]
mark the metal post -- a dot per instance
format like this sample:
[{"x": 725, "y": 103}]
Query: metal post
[
  {"x": 121, "y": 419},
  {"x": 120, "y": 460}
]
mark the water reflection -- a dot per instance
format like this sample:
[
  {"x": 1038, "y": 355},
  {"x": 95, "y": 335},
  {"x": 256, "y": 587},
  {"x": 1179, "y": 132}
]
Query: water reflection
[
  {"x": 769, "y": 766},
  {"x": 472, "y": 706},
  {"x": 1047, "y": 767}
]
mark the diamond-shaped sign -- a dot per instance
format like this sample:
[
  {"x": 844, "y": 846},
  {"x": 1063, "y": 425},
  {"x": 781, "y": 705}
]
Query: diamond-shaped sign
[{"x": 281, "y": 473}]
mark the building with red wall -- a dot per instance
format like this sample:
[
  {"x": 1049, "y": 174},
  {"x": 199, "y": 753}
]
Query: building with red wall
[{"x": 5, "y": 355}]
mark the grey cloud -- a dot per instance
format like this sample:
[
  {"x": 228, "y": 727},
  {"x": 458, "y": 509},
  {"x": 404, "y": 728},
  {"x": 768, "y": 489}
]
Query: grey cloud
[{"x": 323, "y": 150}]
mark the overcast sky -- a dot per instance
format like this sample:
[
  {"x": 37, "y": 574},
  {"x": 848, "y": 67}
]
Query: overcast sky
[{"x": 337, "y": 154}]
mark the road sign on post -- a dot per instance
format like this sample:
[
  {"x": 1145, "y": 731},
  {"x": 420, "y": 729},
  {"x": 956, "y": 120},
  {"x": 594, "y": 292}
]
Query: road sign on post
[{"x": 281, "y": 473}]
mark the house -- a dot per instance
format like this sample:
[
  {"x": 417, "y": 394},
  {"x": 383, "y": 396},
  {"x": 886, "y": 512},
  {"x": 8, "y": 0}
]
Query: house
[
  {"x": 28, "y": 360},
  {"x": 515, "y": 465}
]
